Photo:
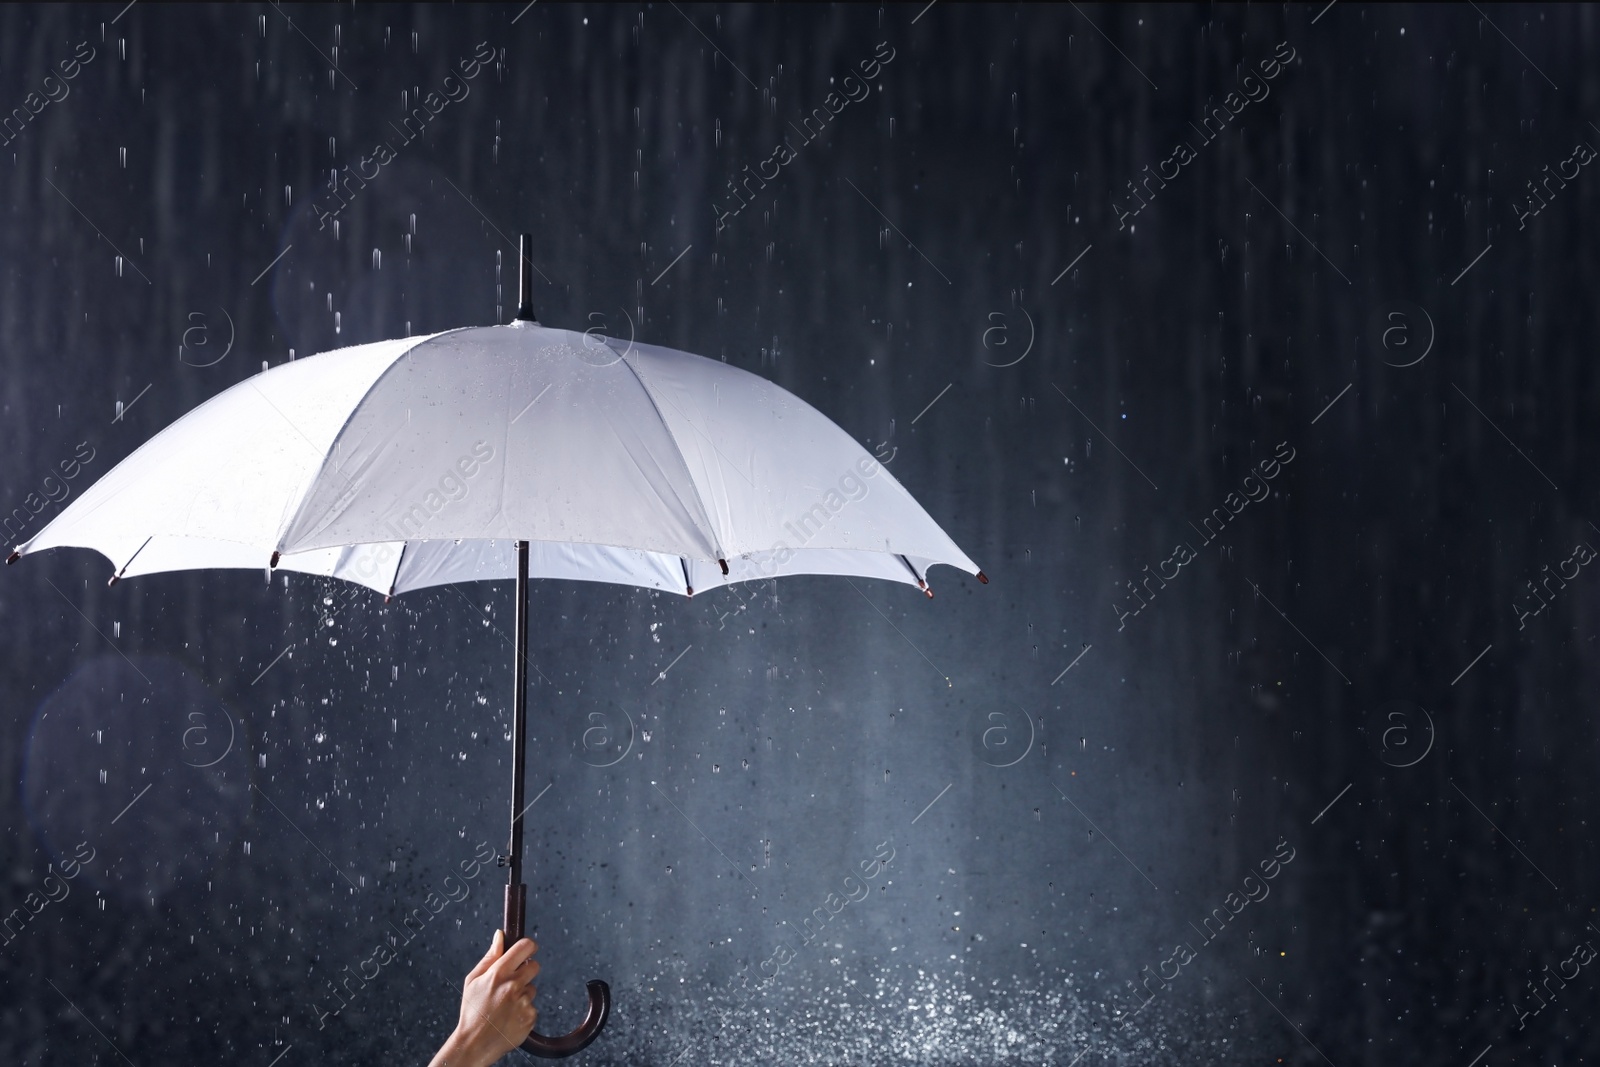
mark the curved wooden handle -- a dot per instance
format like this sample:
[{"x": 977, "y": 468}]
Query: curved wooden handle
[{"x": 554, "y": 1048}]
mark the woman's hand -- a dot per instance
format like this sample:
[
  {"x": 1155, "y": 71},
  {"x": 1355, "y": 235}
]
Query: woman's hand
[{"x": 497, "y": 1011}]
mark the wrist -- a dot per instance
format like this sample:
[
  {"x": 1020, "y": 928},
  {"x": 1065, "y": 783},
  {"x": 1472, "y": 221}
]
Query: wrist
[{"x": 460, "y": 1050}]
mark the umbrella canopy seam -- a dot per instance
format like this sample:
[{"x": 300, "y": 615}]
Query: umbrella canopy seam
[
  {"x": 333, "y": 447},
  {"x": 705, "y": 509}
]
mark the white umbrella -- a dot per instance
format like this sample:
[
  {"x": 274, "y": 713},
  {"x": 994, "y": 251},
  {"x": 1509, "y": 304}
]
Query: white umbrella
[{"x": 503, "y": 452}]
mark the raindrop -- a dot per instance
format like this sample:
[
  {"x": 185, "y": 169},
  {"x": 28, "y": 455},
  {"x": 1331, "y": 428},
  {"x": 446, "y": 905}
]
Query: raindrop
[
  {"x": 722, "y": 711},
  {"x": 646, "y": 734},
  {"x": 669, "y": 870},
  {"x": 1083, "y": 744},
  {"x": 122, "y": 154},
  {"x": 377, "y": 259},
  {"x": 747, "y": 765},
  {"x": 116, "y": 629},
  {"x": 716, "y": 768},
  {"x": 336, "y": 316}
]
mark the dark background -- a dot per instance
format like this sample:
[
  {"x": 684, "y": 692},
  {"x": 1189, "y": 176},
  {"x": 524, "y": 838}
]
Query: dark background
[{"x": 1342, "y": 670}]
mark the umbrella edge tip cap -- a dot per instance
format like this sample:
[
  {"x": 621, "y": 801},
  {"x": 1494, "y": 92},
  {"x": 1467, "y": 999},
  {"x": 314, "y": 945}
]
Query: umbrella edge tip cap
[
  {"x": 724, "y": 565},
  {"x": 15, "y": 555},
  {"x": 115, "y": 578},
  {"x": 690, "y": 588},
  {"x": 983, "y": 578},
  {"x": 273, "y": 562}
]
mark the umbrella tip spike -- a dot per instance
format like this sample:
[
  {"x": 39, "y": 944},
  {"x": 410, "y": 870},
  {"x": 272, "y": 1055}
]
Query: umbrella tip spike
[
  {"x": 984, "y": 578},
  {"x": 724, "y": 565},
  {"x": 691, "y": 589},
  {"x": 925, "y": 589},
  {"x": 15, "y": 555},
  {"x": 115, "y": 578},
  {"x": 525, "y": 279},
  {"x": 273, "y": 562}
]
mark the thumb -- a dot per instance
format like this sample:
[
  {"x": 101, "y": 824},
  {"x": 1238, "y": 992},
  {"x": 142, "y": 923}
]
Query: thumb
[{"x": 496, "y": 949}]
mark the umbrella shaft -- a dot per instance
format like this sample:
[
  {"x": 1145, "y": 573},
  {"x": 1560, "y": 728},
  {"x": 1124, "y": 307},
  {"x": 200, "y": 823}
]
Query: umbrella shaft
[{"x": 519, "y": 727}]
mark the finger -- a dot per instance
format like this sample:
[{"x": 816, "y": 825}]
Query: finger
[
  {"x": 528, "y": 971},
  {"x": 514, "y": 957},
  {"x": 496, "y": 947}
]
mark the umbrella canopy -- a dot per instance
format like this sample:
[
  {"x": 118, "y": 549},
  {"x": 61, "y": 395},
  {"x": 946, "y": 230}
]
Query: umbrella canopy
[{"x": 416, "y": 462}]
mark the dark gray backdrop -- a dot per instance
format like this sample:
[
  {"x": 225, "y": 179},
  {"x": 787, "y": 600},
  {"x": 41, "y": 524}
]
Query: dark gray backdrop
[{"x": 269, "y": 777}]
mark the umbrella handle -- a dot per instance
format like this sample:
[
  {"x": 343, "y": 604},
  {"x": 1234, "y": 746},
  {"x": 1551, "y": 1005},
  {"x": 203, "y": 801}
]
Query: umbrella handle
[
  {"x": 594, "y": 1020},
  {"x": 554, "y": 1048}
]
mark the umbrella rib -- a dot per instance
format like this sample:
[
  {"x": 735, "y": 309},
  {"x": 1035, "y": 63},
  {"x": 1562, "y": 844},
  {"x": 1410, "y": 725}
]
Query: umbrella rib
[
  {"x": 921, "y": 581},
  {"x": 394, "y": 579},
  {"x": 704, "y": 510},
  {"x": 120, "y": 570},
  {"x": 327, "y": 453}
]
